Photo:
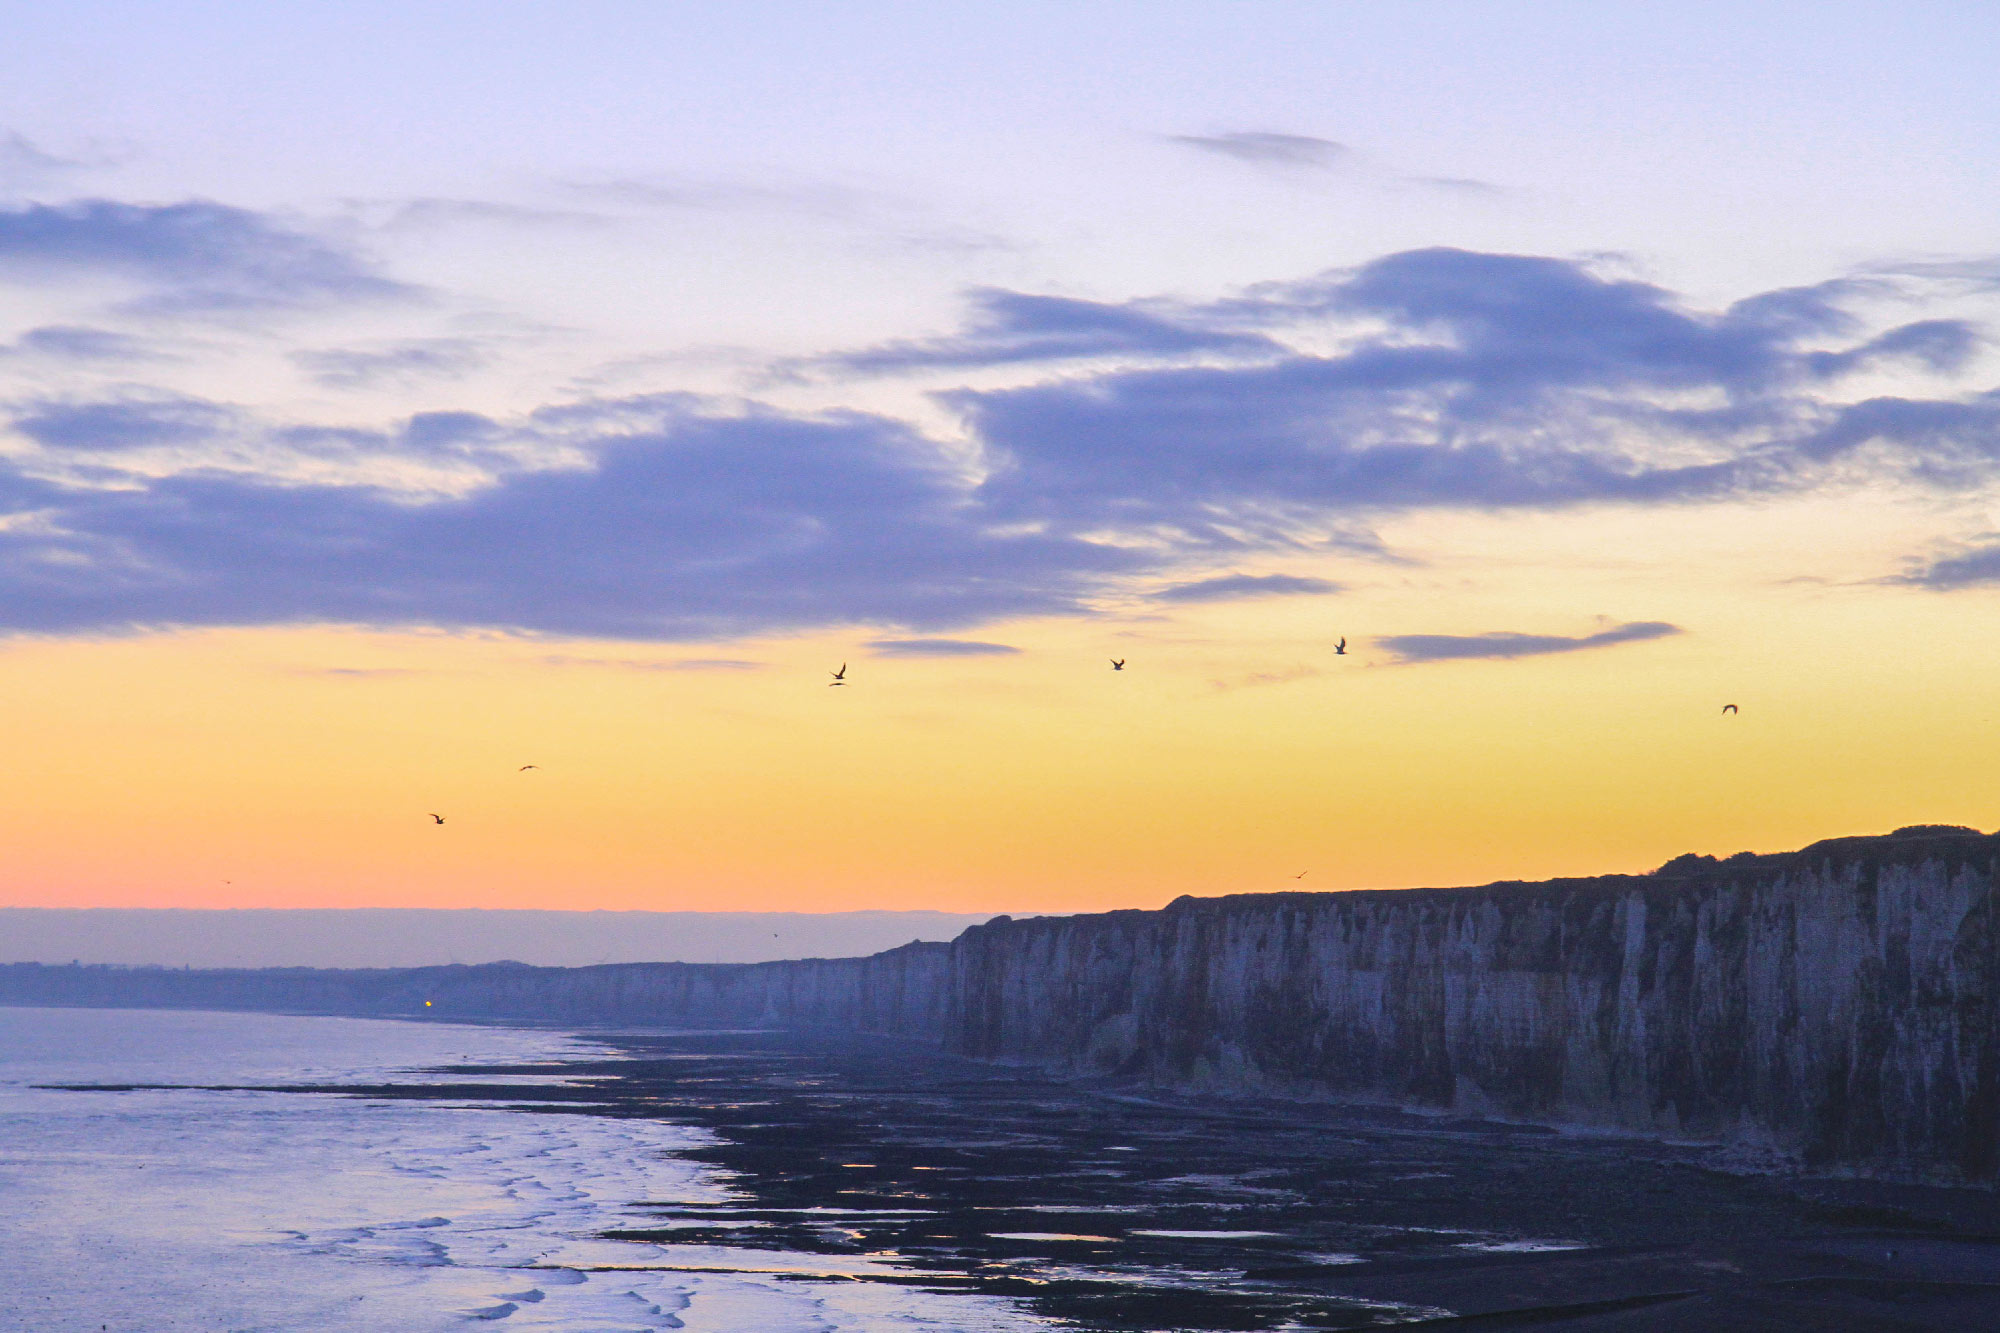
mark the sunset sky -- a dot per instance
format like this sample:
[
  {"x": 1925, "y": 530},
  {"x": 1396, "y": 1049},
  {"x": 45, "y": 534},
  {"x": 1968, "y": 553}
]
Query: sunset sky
[{"x": 395, "y": 395}]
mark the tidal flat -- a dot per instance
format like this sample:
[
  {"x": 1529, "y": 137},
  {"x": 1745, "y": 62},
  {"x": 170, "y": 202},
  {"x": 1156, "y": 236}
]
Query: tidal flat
[{"x": 1092, "y": 1208}]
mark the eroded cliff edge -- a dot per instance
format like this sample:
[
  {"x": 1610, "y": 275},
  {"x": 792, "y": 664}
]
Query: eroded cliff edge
[{"x": 1836, "y": 1004}]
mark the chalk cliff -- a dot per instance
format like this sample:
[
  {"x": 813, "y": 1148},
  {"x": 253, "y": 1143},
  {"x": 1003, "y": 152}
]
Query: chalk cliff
[{"x": 1837, "y": 1003}]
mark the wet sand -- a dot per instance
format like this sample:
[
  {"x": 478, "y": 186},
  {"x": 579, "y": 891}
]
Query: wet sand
[{"x": 1099, "y": 1210}]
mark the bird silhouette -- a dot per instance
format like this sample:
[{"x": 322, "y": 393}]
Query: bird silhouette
[
  {"x": 438, "y": 818},
  {"x": 1729, "y": 708},
  {"x": 1300, "y": 875},
  {"x": 1117, "y": 664},
  {"x": 840, "y": 676},
  {"x": 525, "y": 767},
  {"x": 1340, "y": 649}
]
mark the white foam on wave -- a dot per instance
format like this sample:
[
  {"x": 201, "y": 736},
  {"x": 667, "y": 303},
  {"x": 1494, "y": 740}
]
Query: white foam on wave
[{"x": 1522, "y": 1246}]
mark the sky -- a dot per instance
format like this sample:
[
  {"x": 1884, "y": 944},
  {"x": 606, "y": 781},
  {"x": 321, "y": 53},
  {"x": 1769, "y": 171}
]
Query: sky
[{"x": 394, "y": 396}]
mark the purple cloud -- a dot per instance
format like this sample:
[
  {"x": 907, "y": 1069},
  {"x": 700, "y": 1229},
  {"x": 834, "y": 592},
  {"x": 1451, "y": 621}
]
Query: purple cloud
[
  {"x": 939, "y": 648},
  {"x": 1506, "y": 644}
]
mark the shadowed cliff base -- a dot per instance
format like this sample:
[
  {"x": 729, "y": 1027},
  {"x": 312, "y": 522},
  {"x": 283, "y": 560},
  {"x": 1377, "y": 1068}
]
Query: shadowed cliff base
[{"x": 1832, "y": 1007}]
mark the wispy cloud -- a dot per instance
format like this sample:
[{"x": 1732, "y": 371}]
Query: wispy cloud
[
  {"x": 1303, "y": 153},
  {"x": 626, "y": 664},
  {"x": 433, "y": 211},
  {"x": 730, "y": 194},
  {"x": 1264, "y": 148},
  {"x": 1976, "y": 273},
  {"x": 1459, "y": 185},
  {"x": 1506, "y": 644},
  {"x": 1943, "y": 345},
  {"x": 138, "y": 420},
  {"x": 1230, "y": 587},
  {"x": 21, "y": 158},
  {"x": 939, "y": 648},
  {"x": 401, "y": 363},
  {"x": 24, "y": 162},
  {"x": 874, "y": 221},
  {"x": 358, "y": 673},
  {"x": 1256, "y": 679},
  {"x": 1971, "y": 566},
  {"x": 80, "y": 343},
  {"x": 194, "y": 257},
  {"x": 1015, "y": 328}
]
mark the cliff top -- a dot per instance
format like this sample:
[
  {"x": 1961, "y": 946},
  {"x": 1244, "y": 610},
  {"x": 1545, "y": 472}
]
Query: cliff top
[{"x": 1908, "y": 845}]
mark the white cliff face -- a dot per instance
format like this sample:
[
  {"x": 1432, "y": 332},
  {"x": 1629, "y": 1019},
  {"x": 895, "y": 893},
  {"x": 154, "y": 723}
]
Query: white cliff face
[{"x": 1837, "y": 1004}]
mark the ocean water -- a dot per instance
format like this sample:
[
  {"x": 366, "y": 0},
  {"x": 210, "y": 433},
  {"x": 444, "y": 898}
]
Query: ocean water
[{"x": 237, "y": 1210}]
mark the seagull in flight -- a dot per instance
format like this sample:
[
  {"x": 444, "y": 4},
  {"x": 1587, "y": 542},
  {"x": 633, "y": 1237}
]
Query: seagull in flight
[
  {"x": 1729, "y": 708},
  {"x": 438, "y": 818},
  {"x": 525, "y": 767},
  {"x": 1300, "y": 875},
  {"x": 840, "y": 676},
  {"x": 1340, "y": 649},
  {"x": 1117, "y": 664}
]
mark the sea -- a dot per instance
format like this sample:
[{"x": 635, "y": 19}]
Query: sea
[{"x": 172, "y": 1194}]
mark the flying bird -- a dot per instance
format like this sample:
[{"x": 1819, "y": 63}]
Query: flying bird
[
  {"x": 1340, "y": 649},
  {"x": 840, "y": 676},
  {"x": 525, "y": 767},
  {"x": 438, "y": 818},
  {"x": 1729, "y": 708},
  {"x": 1300, "y": 875},
  {"x": 1117, "y": 664}
]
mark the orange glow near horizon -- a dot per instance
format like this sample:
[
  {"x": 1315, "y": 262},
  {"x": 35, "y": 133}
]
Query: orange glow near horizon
[
  {"x": 365, "y": 374},
  {"x": 297, "y": 767}
]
